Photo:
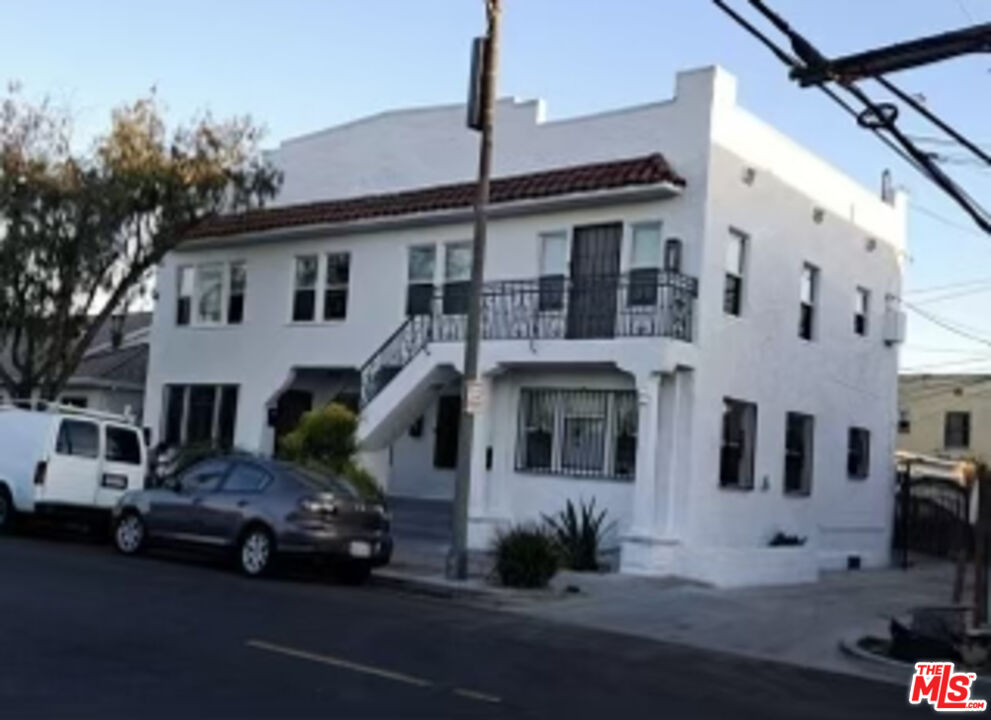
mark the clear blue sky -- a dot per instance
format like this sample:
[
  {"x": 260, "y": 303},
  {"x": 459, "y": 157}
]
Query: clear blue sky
[{"x": 301, "y": 65}]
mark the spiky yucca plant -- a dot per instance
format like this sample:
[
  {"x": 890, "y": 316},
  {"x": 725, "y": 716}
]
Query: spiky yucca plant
[{"x": 578, "y": 534}]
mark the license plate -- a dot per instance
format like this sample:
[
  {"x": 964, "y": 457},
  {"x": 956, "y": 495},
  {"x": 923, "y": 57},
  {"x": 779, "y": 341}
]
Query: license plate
[{"x": 360, "y": 549}]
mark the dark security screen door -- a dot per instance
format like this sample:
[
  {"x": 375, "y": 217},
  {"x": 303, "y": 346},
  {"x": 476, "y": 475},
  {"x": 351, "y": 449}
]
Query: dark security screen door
[
  {"x": 446, "y": 441},
  {"x": 594, "y": 281}
]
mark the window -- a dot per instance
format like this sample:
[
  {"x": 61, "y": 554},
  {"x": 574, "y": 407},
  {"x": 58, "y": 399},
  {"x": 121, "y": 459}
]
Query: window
[
  {"x": 861, "y": 310},
  {"x": 218, "y": 290},
  {"x": 245, "y": 478},
  {"x": 304, "y": 300},
  {"x": 733, "y": 291},
  {"x": 209, "y": 293},
  {"x": 199, "y": 414},
  {"x": 858, "y": 458},
  {"x": 809, "y": 293},
  {"x": 645, "y": 264},
  {"x": 185, "y": 283},
  {"x": 420, "y": 279},
  {"x": 123, "y": 445},
  {"x": 904, "y": 422},
  {"x": 553, "y": 270},
  {"x": 736, "y": 461},
  {"x": 457, "y": 278},
  {"x": 956, "y": 431},
  {"x": 78, "y": 438},
  {"x": 235, "y": 299},
  {"x": 335, "y": 294},
  {"x": 799, "y": 439},
  {"x": 585, "y": 433},
  {"x": 78, "y": 401},
  {"x": 204, "y": 477}
]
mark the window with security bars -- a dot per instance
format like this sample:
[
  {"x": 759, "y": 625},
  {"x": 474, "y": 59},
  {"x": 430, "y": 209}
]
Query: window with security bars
[{"x": 583, "y": 433}]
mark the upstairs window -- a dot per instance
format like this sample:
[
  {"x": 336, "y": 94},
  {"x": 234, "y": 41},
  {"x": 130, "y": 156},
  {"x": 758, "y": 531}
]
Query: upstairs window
[
  {"x": 304, "y": 302},
  {"x": 807, "y": 306},
  {"x": 956, "y": 431},
  {"x": 858, "y": 459},
  {"x": 235, "y": 300},
  {"x": 185, "y": 283},
  {"x": 799, "y": 439},
  {"x": 736, "y": 461},
  {"x": 421, "y": 261},
  {"x": 553, "y": 270},
  {"x": 861, "y": 310},
  {"x": 733, "y": 290},
  {"x": 335, "y": 295},
  {"x": 209, "y": 293},
  {"x": 904, "y": 421},
  {"x": 645, "y": 264},
  {"x": 457, "y": 278}
]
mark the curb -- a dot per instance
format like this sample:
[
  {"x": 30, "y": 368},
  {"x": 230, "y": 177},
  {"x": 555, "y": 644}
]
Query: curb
[
  {"x": 431, "y": 587},
  {"x": 848, "y": 645}
]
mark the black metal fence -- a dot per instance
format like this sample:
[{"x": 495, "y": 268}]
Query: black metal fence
[
  {"x": 932, "y": 516},
  {"x": 644, "y": 303}
]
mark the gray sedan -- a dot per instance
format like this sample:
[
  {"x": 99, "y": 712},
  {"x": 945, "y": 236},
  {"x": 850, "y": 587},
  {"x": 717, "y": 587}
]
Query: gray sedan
[{"x": 257, "y": 508}]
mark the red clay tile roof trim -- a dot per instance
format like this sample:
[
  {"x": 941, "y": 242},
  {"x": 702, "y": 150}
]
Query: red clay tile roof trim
[{"x": 640, "y": 171}]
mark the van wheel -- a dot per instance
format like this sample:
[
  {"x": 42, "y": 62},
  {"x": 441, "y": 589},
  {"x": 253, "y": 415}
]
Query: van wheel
[
  {"x": 256, "y": 551},
  {"x": 6, "y": 510},
  {"x": 129, "y": 533}
]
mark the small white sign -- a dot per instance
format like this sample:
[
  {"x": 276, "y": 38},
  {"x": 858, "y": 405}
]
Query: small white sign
[
  {"x": 475, "y": 397},
  {"x": 360, "y": 549}
]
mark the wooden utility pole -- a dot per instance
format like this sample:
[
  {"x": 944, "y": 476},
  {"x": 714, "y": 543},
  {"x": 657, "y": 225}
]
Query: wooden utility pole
[{"x": 457, "y": 561}]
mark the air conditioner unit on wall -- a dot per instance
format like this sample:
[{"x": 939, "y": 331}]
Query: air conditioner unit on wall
[{"x": 893, "y": 331}]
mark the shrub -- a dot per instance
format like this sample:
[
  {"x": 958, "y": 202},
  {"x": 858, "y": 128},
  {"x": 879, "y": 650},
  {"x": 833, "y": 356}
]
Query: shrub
[
  {"x": 525, "y": 556},
  {"x": 325, "y": 435},
  {"x": 578, "y": 535},
  {"x": 782, "y": 539},
  {"x": 324, "y": 440}
]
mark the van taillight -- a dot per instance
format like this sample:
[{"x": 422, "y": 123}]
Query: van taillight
[{"x": 39, "y": 473}]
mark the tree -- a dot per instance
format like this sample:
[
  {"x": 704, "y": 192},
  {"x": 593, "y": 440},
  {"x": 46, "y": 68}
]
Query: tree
[{"x": 82, "y": 231}]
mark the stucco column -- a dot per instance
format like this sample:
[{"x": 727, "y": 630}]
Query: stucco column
[{"x": 648, "y": 430}]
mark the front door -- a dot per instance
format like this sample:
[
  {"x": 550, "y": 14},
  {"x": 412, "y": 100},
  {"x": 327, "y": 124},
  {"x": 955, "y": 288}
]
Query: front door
[
  {"x": 292, "y": 405},
  {"x": 446, "y": 440},
  {"x": 594, "y": 280},
  {"x": 74, "y": 468}
]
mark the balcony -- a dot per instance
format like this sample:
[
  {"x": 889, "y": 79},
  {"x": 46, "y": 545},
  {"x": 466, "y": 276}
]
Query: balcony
[{"x": 645, "y": 303}]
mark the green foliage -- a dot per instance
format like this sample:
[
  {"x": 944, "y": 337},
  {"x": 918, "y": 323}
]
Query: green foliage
[
  {"x": 525, "y": 556},
  {"x": 325, "y": 441},
  {"x": 325, "y": 435},
  {"x": 578, "y": 535},
  {"x": 84, "y": 229}
]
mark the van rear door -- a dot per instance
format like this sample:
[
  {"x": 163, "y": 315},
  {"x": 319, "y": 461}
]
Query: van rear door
[
  {"x": 123, "y": 464},
  {"x": 74, "y": 465}
]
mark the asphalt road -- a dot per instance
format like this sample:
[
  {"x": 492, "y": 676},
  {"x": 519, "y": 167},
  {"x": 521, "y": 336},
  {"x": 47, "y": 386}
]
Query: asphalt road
[{"x": 86, "y": 633}]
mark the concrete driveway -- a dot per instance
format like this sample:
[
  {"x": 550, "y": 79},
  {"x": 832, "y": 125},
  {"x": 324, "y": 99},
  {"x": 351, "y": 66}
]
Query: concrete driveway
[{"x": 798, "y": 624}]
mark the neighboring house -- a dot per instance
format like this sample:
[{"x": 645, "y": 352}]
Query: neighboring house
[
  {"x": 945, "y": 415},
  {"x": 686, "y": 316},
  {"x": 111, "y": 375}
]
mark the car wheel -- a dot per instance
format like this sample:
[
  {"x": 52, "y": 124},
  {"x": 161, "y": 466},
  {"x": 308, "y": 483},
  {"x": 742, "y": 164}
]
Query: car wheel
[
  {"x": 129, "y": 533},
  {"x": 255, "y": 552},
  {"x": 6, "y": 510}
]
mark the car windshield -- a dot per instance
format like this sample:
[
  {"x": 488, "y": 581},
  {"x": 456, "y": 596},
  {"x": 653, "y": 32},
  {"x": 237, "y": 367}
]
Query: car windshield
[{"x": 321, "y": 481}]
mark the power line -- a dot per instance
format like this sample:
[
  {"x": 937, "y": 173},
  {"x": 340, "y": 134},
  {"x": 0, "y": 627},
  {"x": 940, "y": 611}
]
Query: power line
[
  {"x": 946, "y": 325},
  {"x": 947, "y": 221},
  {"x": 954, "y": 295},
  {"x": 967, "y": 14},
  {"x": 948, "y": 286}
]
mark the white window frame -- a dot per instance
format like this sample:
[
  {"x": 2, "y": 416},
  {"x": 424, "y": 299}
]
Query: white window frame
[
  {"x": 317, "y": 284},
  {"x": 862, "y": 297},
  {"x": 225, "y": 293},
  {"x": 326, "y": 285},
  {"x": 815, "y": 283},
  {"x": 229, "y": 287},
  {"x": 740, "y": 273},
  {"x": 181, "y": 271},
  {"x": 632, "y": 264}
]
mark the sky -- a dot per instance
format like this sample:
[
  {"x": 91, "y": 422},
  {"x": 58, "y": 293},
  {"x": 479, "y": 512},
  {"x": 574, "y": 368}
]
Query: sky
[{"x": 302, "y": 65}]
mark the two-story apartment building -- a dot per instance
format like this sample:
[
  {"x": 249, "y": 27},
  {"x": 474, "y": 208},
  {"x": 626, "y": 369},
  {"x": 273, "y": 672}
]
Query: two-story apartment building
[
  {"x": 686, "y": 316},
  {"x": 945, "y": 415}
]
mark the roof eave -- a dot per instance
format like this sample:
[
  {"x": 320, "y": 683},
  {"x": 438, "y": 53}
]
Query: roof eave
[{"x": 613, "y": 196}]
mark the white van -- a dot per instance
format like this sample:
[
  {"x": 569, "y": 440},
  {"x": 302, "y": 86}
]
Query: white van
[{"x": 64, "y": 460}]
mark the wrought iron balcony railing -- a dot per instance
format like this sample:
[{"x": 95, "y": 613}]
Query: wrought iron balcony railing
[{"x": 644, "y": 303}]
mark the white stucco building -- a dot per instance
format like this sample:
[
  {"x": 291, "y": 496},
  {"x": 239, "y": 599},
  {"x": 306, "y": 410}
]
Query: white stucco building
[{"x": 686, "y": 317}]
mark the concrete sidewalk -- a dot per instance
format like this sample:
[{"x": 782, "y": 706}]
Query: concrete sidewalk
[{"x": 798, "y": 624}]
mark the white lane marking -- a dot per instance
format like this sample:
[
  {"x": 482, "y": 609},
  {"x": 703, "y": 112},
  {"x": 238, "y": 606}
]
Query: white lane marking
[{"x": 340, "y": 663}]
